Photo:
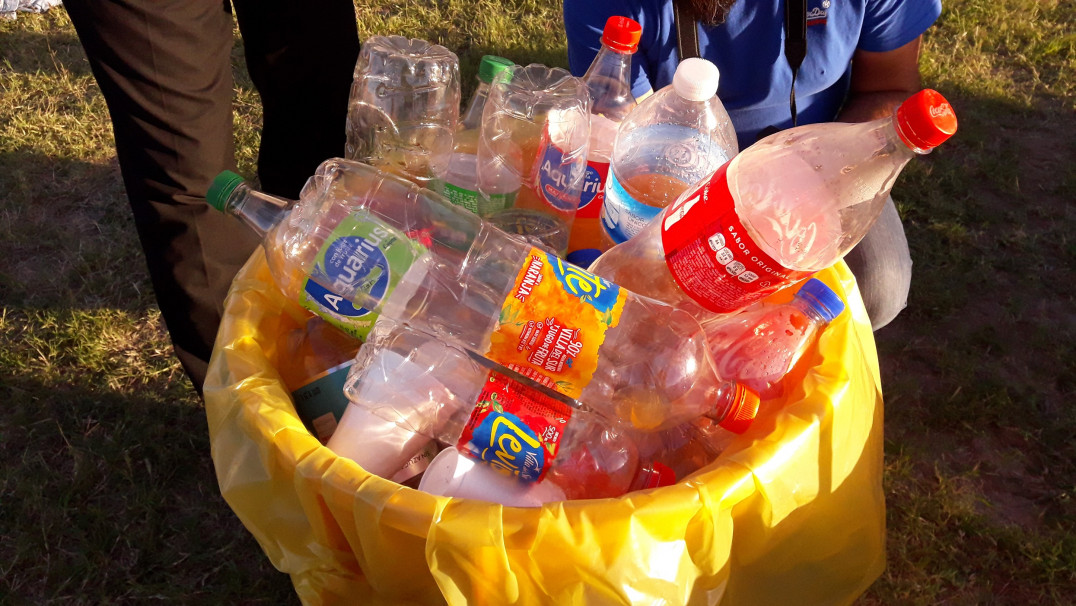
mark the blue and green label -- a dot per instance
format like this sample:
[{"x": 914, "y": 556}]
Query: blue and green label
[{"x": 359, "y": 264}]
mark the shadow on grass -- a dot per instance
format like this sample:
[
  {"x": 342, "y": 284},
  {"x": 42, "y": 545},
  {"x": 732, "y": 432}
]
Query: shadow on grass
[
  {"x": 979, "y": 372},
  {"x": 67, "y": 238},
  {"x": 111, "y": 496}
]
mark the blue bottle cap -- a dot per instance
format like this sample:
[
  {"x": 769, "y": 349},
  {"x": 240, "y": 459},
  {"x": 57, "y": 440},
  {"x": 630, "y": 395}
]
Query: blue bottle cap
[{"x": 821, "y": 298}]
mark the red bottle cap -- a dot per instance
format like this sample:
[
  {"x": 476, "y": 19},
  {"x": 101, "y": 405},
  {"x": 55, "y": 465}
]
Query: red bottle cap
[
  {"x": 622, "y": 34},
  {"x": 925, "y": 120},
  {"x": 742, "y": 411}
]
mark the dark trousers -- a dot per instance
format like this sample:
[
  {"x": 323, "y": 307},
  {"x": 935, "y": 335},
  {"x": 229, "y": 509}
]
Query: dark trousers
[{"x": 165, "y": 69}]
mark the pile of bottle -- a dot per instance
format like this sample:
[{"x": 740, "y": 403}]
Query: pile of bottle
[{"x": 453, "y": 349}]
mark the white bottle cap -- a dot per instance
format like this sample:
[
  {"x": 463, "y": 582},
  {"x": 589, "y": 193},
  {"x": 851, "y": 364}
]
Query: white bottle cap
[
  {"x": 696, "y": 79},
  {"x": 452, "y": 474}
]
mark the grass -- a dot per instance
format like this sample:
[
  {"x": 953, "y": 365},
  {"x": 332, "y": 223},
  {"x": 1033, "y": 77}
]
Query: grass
[{"x": 107, "y": 493}]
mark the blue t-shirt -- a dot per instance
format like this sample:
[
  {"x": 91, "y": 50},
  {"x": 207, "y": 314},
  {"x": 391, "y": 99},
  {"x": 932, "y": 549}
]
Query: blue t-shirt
[{"x": 748, "y": 50}]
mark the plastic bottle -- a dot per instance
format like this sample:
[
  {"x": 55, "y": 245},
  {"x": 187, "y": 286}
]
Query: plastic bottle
[
  {"x": 786, "y": 207},
  {"x": 356, "y": 230},
  {"x": 759, "y": 345},
  {"x": 403, "y": 107},
  {"x": 433, "y": 389},
  {"x": 536, "y": 126},
  {"x": 460, "y": 185},
  {"x": 313, "y": 364},
  {"x": 609, "y": 81},
  {"x": 323, "y": 249},
  {"x": 672, "y": 140}
]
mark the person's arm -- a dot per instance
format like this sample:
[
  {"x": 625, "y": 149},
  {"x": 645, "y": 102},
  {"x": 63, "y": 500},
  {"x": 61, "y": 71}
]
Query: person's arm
[{"x": 881, "y": 82}]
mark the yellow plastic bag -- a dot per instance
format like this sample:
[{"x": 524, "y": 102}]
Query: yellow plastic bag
[{"x": 792, "y": 513}]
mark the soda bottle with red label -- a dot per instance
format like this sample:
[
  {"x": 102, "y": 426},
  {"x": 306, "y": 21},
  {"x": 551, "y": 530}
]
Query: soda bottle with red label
[
  {"x": 609, "y": 82},
  {"x": 784, "y": 208}
]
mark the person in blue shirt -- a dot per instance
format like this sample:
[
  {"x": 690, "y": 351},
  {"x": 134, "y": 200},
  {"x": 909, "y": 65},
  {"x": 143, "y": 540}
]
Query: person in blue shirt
[{"x": 861, "y": 62}]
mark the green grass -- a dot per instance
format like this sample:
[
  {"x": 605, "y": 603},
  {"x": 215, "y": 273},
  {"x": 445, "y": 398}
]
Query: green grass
[{"x": 107, "y": 493}]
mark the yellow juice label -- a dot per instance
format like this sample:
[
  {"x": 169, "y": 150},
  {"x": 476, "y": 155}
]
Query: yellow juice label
[{"x": 553, "y": 323}]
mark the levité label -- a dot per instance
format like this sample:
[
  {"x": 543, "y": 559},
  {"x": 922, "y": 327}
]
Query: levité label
[
  {"x": 515, "y": 428},
  {"x": 553, "y": 322},
  {"x": 711, "y": 255},
  {"x": 361, "y": 261}
]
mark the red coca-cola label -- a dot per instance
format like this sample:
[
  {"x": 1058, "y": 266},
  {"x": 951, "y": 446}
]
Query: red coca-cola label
[{"x": 711, "y": 255}]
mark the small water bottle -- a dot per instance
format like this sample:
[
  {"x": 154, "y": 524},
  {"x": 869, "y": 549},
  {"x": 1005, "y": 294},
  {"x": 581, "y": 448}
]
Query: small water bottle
[
  {"x": 536, "y": 126},
  {"x": 672, "y": 140},
  {"x": 404, "y": 107},
  {"x": 758, "y": 346}
]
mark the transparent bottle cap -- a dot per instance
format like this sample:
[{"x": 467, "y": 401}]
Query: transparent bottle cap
[{"x": 696, "y": 79}]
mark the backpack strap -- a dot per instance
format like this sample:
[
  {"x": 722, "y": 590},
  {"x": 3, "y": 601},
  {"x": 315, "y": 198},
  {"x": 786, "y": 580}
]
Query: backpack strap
[
  {"x": 795, "y": 44},
  {"x": 687, "y": 34}
]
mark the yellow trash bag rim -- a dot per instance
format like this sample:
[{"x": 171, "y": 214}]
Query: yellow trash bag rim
[{"x": 792, "y": 512}]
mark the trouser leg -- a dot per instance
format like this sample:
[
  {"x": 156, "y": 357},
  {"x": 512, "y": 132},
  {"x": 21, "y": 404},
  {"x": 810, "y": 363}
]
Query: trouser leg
[
  {"x": 165, "y": 71},
  {"x": 882, "y": 266},
  {"x": 301, "y": 59}
]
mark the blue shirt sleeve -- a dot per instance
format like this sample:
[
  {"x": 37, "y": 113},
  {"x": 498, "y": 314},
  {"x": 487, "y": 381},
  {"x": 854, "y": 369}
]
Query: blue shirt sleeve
[{"x": 890, "y": 24}]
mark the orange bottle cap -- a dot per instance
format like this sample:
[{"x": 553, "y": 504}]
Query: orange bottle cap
[{"x": 743, "y": 410}]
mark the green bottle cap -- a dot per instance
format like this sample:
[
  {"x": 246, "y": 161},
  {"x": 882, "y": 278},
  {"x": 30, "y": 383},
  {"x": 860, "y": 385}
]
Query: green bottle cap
[
  {"x": 223, "y": 185},
  {"x": 492, "y": 65}
]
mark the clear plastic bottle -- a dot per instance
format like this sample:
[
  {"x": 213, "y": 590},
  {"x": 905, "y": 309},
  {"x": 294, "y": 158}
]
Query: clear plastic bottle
[
  {"x": 434, "y": 389},
  {"x": 784, "y": 208},
  {"x": 357, "y": 230},
  {"x": 759, "y": 345},
  {"x": 536, "y": 125},
  {"x": 403, "y": 107},
  {"x": 672, "y": 140},
  {"x": 329, "y": 245},
  {"x": 460, "y": 185},
  {"x": 609, "y": 81}
]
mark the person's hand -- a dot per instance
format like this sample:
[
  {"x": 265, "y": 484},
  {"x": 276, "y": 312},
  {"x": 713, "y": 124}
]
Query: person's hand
[{"x": 881, "y": 82}]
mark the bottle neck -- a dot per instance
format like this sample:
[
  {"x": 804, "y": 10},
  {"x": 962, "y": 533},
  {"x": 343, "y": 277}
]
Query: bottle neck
[
  {"x": 259, "y": 210},
  {"x": 805, "y": 307},
  {"x": 609, "y": 79},
  {"x": 472, "y": 116}
]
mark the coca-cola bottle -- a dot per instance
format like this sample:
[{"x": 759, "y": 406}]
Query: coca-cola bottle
[{"x": 784, "y": 208}]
